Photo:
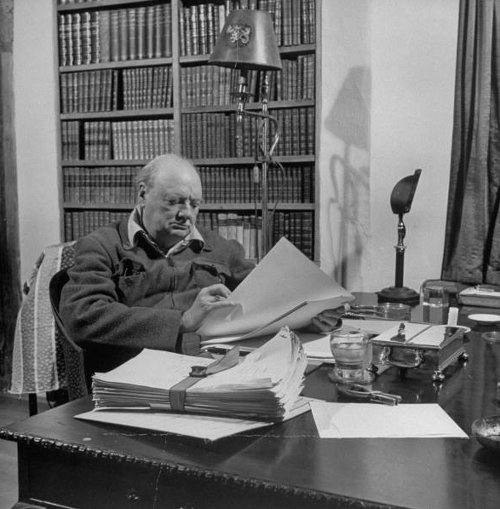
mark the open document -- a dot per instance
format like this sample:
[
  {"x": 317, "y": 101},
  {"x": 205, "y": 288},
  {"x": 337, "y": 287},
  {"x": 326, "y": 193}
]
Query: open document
[
  {"x": 264, "y": 385},
  {"x": 285, "y": 289}
]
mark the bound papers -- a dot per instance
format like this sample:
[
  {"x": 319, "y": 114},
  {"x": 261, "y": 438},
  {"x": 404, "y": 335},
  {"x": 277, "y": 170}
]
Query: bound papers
[
  {"x": 285, "y": 289},
  {"x": 265, "y": 385}
]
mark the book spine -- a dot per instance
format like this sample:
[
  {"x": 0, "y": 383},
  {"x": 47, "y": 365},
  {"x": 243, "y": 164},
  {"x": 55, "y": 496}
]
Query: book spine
[
  {"x": 132, "y": 33},
  {"x": 114, "y": 25},
  {"x": 167, "y": 32},
  {"x": 104, "y": 36},
  {"x": 141, "y": 32},
  {"x": 150, "y": 39},
  {"x": 123, "y": 29}
]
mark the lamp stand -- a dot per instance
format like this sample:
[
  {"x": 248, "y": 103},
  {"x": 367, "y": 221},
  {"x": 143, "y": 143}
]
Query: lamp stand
[
  {"x": 263, "y": 156},
  {"x": 398, "y": 292}
]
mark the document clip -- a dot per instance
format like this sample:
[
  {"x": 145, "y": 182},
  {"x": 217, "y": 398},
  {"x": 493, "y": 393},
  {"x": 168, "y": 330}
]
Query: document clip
[
  {"x": 229, "y": 360},
  {"x": 362, "y": 392},
  {"x": 177, "y": 393}
]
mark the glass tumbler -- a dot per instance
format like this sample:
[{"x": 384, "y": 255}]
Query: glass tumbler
[
  {"x": 352, "y": 352},
  {"x": 435, "y": 304}
]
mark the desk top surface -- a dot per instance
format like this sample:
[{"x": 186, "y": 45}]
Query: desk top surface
[{"x": 418, "y": 473}]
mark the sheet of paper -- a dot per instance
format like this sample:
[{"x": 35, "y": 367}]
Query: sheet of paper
[
  {"x": 198, "y": 426},
  {"x": 373, "y": 420},
  {"x": 286, "y": 288},
  {"x": 204, "y": 427},
  {"x": 318, "y": 348}
]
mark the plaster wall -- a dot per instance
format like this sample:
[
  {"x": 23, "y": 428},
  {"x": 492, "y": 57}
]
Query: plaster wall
[
  {"x": 35, "y": 95},
  {"x": 388, "y": 71}
]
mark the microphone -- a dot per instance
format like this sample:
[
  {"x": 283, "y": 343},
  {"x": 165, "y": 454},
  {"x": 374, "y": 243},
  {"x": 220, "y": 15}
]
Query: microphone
[{"x": 242, "y": 95}]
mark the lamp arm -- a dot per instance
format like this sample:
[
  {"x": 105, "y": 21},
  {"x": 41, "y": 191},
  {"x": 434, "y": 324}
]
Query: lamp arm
[{"x": 264, "y": 117}]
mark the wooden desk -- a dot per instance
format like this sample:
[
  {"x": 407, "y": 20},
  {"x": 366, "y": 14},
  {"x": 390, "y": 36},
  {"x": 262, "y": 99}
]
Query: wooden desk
[{"x": 64, "y": 462}]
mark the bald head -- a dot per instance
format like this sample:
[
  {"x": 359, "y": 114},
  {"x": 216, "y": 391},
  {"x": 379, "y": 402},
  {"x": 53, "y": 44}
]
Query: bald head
[
  {"x": 169, "y": 195},
  {"x": 169, "y": 166}
]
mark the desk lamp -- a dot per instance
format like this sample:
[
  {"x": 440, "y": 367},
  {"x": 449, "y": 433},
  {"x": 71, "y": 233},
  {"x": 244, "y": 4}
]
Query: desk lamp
[
  {"x": 247, "y": 41},
  {"x": 401, "y": 200}
]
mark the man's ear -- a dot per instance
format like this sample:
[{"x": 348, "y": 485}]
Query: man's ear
[{"x": 142, "y": 193}]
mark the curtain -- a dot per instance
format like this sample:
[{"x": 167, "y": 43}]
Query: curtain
[
  {"x": 472, "y": 242},
  {"x": 10, "y": 288}
]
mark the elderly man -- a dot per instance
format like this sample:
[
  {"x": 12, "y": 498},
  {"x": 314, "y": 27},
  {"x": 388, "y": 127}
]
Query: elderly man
[{"x": 149, "y": 281}]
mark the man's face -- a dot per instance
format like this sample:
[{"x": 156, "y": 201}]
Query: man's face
[{"x": 170, "y": 206}]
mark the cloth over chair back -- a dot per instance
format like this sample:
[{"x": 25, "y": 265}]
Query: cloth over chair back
[{"x": 38, "y": 363}]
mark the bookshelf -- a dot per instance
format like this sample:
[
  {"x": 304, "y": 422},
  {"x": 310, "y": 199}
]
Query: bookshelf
[{"x": 134, "y": 82}]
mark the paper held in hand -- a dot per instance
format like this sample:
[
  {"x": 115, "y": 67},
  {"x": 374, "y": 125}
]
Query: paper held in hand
[
  {"x": 285, "y": 289},
  {"x": 264, "y": 385}
]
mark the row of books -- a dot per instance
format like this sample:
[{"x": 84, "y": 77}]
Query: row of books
[
  {"x": 200, "y": 23},
  {"x": 147, "y": 87},
  {"x": 207, "y": 85},
  {"x": 245, "y": 228},
  {"x": 116, "y": 185},
  {"x": 90, "y": 37},
  {"x": 135, "y": 33},
  {"x": 110, "y": 90},
  {"x": 80, "y": 223},
  {"x": 290, "y": 184},
  {"x": 297, "y": 227},
  {"x": 70, "y": 140},
  {"x": 217, "y": 134},
  {"x": 110, "y": 185},
  {"x": 101, "y": 140},
  {"x": 88, "y": 91}
]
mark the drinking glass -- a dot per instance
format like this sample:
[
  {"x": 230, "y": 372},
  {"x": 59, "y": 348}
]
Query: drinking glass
[
  {"x": 352, "y": 353},
  {"x": 435, "y": 304}
]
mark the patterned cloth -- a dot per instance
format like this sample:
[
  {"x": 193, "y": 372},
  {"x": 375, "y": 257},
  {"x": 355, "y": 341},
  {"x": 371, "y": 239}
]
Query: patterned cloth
[{"x": 37, "y": 360}]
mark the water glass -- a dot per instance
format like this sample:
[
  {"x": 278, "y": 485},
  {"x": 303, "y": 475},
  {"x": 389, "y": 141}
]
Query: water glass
[
  {"x": 352, "y": 351},
  {"x": 435, "y": 304}
]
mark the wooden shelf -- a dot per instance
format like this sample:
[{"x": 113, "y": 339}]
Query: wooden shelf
[
  {"x": 120, "y": 114},
  {"x": 204, "y": 206},
  {"x": 223, "y": 161}
]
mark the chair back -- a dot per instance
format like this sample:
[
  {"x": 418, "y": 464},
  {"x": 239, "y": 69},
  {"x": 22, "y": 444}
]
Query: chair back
[{"x": 76, "y": 379}]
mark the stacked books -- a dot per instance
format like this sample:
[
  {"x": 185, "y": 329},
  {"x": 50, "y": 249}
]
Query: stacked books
[{"x": 264, "y": 385}]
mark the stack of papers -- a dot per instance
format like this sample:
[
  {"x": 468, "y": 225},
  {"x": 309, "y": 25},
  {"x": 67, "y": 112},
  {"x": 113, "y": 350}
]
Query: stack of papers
[{"x": 265, "y": 385}]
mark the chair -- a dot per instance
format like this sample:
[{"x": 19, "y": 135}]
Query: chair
[{"x": 76, "y": 379}]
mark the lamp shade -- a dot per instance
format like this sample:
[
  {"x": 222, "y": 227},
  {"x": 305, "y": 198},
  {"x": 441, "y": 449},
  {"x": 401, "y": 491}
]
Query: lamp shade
[{"x": 247, "y": 41}]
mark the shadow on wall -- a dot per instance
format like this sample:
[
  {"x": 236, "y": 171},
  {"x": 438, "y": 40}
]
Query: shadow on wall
[{"x": 348, "y": 207}]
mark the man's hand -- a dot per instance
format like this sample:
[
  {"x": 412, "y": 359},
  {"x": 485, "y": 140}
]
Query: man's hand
[
  {"x": 208, "y": 299},
  {"x": 327, "y": 320}
]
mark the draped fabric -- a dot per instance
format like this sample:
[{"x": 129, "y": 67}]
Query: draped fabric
[
  {"x": 472, "y": 243},
  {"x": 37, "y": 359}
]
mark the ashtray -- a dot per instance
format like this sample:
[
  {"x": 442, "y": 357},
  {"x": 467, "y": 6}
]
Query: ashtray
[
  {"x": 491, "y": 337},
  {"x": 487, "y": 432}
]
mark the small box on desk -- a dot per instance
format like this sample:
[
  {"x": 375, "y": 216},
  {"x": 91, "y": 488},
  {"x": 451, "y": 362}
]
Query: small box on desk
[
  {"x": 413, "y": 344},
  {"x": 481, "y": 295}
]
